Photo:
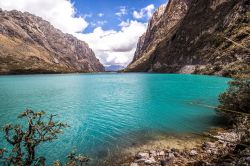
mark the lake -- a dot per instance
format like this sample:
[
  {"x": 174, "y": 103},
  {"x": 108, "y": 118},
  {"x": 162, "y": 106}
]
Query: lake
[{"x": 106, "y": 111}]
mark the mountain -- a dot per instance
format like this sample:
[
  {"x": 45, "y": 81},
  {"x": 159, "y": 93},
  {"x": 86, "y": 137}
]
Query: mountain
[
  {"x": 196, "y": 36},
  {"x": 114, "y": 68},
  {"x": 29, "y": 44}
]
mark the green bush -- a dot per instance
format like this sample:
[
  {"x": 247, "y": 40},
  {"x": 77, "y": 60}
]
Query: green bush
[
  {"x": 237, "y": 97},
  {"x": 25, "y": 140}
]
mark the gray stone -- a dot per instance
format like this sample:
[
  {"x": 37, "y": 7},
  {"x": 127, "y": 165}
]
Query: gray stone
[
  {"x": 134, "y": 164},
  {"x": 140, "y": 160},
  {"x": 143, "y": 155},
  {"x": 248, "y": 159},
  {"x": 193, "y": 153},
  {"x": 153, "y": 153},
  {"x": 208, "y": 145},
  {"x": 151, "y": 160},
  {"x": 162, "y": 153},
  {"x": 171, "y": 155},
  {"x": 209, "y": 151}
]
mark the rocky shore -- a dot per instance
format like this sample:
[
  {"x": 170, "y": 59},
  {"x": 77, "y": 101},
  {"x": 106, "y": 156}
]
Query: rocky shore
[{"x": 221, "y": 147}]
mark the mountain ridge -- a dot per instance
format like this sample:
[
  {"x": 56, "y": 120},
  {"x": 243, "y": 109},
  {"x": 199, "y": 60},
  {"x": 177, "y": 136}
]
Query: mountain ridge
[
  {"x": 30, "y": 44},
  {"x": 200, "y": 40}
]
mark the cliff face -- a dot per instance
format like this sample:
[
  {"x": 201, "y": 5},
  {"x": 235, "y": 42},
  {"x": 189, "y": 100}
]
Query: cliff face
[
  {"x": 197, "y": 36},
  {"x": 28, "y": 44},
  {"x": 162, "y": 22}
]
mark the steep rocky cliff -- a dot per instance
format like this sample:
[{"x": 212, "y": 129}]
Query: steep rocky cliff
[
  {"x": 196, "y": 36},
  {"x": 28, "y": 44}
]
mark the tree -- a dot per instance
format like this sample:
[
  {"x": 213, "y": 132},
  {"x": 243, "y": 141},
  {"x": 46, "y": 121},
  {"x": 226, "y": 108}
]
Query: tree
[
  {"x": 24, "y": 141},
  {"x": 237, "y": 97}
]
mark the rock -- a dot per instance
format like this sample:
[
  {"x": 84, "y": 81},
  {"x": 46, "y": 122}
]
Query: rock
[
  {"x": 208, "y": 145},
  {"x": 175, "y": 150},
  {"x": 208, "y": 151},
  {"x": 171, "y": 155},
  {"x": 163, "y": 163},
  {"x": 143, "y": 155},
  {"x": 162, "y": 153},
  {"x": 153, "y": 153},
  {"x": 214, "y": 151},
  {"x": 193, "y": 153},
  {"x": 224, "y": 144},
  {"x": 151, "y": 160},
  {"x": 140, "y": 160},
  {"x": 176, "y": 154},
  {"x": 230, "y": 136},
  {"x": 248, "y": 159},
  {"x": 134, "y": 164},
  {"x": 167, "y": 151},
  {"x": 239, "y": 147}
]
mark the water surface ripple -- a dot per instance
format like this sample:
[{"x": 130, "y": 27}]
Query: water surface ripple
[{"x": 107, "y": 110}]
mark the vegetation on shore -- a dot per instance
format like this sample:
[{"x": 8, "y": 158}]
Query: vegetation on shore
[
  {"x": 237, "y": 97},
  {"x": 25, "y": 140}
]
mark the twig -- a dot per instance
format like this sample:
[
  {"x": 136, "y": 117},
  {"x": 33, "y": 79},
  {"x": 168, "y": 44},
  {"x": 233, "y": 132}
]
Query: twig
[{"x": 222, "y": 109}]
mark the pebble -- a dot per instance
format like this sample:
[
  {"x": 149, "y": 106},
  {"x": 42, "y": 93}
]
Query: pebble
[
  {"x": 143, "y": 155},
  {"x": 248, "y": 160},
  {"x": 134, "y": 164},
  {"x": 171, "y": 155},
  {"x": 179, "y": 157},
  {"x": 150, "y": 161},
  {"x": 153, "y": 153},
  {"x": 140, "y": 160},
  {"x": 208, "y": 145},
  {"x": 208, "y": 151},
  {"x": 193, "y": 153},
  {"x": 162, "y": 153}
]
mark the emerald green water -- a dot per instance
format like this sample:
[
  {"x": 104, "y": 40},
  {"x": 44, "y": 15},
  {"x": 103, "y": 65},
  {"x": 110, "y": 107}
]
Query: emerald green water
[{"x": 106, "y": 111}]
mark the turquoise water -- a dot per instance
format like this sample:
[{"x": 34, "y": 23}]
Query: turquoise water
[{"x": 106, "y": 111}]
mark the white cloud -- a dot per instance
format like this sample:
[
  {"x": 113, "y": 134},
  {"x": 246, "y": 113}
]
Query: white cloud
[
  {"x": 100, "y": 14},
  {"x": 98, "y": 23},
  {"x": 125, "y": 23},
  {"x": 60, "y": 13},
  {"x": 122, "y": 11},
  {"x": 115, "y": 47},
  {"x": 110, "y": 46},
  {"x": 147, "y": 11}
]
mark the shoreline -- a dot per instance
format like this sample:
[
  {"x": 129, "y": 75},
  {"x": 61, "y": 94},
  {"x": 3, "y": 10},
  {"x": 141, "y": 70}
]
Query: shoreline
[{"x": 208, "y": 148}]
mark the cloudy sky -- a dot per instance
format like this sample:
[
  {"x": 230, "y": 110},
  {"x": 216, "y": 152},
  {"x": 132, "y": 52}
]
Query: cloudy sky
[{"x": 110, "y": 27}]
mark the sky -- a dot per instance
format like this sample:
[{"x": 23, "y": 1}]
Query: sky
[{"x": 110, "y": 27}]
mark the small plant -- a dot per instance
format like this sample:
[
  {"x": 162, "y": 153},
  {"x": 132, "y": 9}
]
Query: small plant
[
  {"x": 24, "y": 141},
  {"x": 74, "y": 159}
]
